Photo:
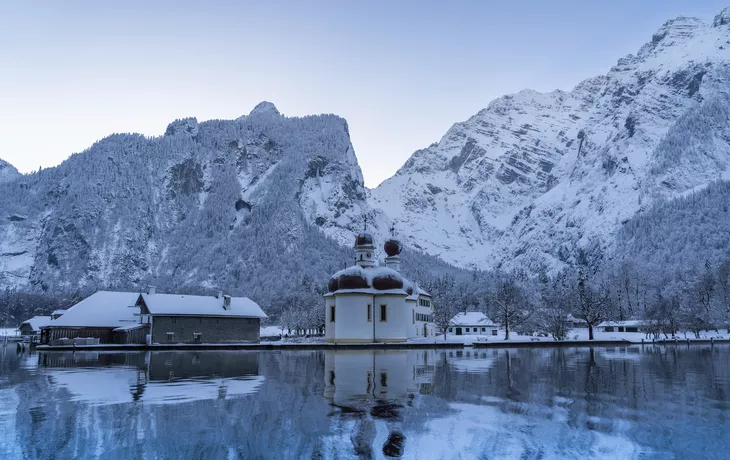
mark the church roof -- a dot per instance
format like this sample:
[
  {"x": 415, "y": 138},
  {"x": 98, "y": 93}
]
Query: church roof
[{"x": 370, "y": 280}]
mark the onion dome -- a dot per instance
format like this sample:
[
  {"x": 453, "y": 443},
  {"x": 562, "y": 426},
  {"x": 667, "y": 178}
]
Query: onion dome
[
  {"x": 332, "y": 285},
  {"x": 387, "y": 281},
  {"x": 364, "y": 239},
  {"x": 392, "y": 247},
  {"x": 352, "y": 281}
]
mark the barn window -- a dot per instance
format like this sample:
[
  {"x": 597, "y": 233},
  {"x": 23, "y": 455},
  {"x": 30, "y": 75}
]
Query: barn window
[
  {"x": 170, "y": 336},
  {"x": 494, "y": 332},
  {"x": 197, "y": 337},
  {"x": 484, "y": 329}
]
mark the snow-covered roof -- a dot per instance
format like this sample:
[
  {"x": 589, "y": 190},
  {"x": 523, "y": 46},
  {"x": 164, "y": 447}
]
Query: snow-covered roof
[
  {"x": 37, "y": 322},
  {"x": 417, "y": 291},
  {"x": 58, "y": 312},
  {"x": 373, "y": 280},
  {"x": 195, "y": 305},
  {"x": 629, "y": 323},
  {"x": 471, "y": 318},
  {"x": 101, "y": 309}
]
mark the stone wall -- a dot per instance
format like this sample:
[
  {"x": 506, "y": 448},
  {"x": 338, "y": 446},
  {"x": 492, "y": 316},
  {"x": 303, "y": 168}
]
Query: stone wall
[{"x": 212, "y": 329}]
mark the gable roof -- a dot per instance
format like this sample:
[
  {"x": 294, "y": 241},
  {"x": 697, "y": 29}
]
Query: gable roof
[
  {"x": 471, "y": 318},
  {"x": 36, "y": 322},
  {"x": 199, "y": 305},
  {"x": 100, "y": 309}
]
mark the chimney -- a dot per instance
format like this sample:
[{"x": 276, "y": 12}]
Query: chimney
[
  {"x": 226, "y": 302},
  {"x": 219, "y": 295},
  {"x": 151, "y": 289}
]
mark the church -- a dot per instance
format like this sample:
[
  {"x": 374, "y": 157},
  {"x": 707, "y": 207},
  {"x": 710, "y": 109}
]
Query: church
[{"x": 367, "y": 303}]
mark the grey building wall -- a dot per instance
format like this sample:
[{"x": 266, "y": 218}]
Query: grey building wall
[{"x": 213, "y": 329}]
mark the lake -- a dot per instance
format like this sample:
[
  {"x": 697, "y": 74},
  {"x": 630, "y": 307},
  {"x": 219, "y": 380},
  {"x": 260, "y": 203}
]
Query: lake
[{"x": 625, "y": 402}]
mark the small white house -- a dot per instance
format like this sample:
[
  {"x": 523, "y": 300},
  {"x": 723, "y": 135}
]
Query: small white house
[
  {"x": 472, "y": 323},
  {"x": 623, "y": 326}
]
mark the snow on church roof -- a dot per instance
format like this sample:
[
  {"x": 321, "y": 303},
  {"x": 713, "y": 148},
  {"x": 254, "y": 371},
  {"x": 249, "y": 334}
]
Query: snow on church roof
[
  {"x": 471, "y": 318},
  {"x": 101, "y": 309},
  {"x": 176, "y": 304}
]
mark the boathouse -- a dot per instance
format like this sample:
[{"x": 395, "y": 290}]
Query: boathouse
[
  {"x": 32, "y": 327},
  {"x": 106, "y": 317},
  {"x": 190, "y": 319}
]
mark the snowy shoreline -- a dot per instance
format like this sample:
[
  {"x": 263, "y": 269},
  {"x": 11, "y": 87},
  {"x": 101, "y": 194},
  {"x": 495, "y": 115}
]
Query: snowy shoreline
[{"x": 386, "y": 346}]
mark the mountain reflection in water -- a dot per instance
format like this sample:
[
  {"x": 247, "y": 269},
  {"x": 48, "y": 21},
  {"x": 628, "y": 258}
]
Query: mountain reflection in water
[{"x": 621, "y": 402}]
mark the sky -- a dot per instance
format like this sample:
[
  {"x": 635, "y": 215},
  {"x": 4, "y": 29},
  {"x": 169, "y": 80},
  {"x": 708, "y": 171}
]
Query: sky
[{"x": 400, "y": 72}]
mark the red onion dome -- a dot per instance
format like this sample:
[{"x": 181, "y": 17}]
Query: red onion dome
[
  {"x": 332, "y": 285},
  {"x": 387, "y": 281},
  {"x": 392, "y": 247},
  {"x": 352, "y": 281}
]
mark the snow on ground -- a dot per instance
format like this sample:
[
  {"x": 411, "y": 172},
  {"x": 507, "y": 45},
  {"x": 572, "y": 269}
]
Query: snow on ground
[
  {"x": 574, "y": 335},
  {"x": 580, "y": 334},
  {"x": 270, "y": 331},
  {"x": 10, "y": 331}
]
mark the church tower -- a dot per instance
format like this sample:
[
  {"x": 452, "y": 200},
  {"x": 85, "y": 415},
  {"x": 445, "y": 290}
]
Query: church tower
[{"x": 365, "y": 250}]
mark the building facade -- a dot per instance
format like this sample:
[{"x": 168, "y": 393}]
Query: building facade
[
  {"x": 366, "y": 303},
  {"x": 186, "y": 319},
  {"x": 472, "y": 323}
]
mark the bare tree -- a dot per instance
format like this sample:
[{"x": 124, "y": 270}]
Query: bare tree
[
  {"x": 593, "y": 303},
  {"x": 446, "y": 301},
  {"x": 555, "y": 297},
  {"x": 509, "y": 305}
]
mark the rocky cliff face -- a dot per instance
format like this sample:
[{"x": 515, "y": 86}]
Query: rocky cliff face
[
  {"x": 539, "y": 179},
  {"x": 234, "y": 204}
]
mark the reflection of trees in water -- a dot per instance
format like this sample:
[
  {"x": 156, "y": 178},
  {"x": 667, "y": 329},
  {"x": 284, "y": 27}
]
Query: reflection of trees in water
[{"x": 589, "y": 388}]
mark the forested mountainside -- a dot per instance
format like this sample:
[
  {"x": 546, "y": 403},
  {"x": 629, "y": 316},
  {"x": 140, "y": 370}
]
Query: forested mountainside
[
  {"x": 535, "y": 179},
  {"x": 244, "y": 205},
  {"x": 267, "y": 205}
]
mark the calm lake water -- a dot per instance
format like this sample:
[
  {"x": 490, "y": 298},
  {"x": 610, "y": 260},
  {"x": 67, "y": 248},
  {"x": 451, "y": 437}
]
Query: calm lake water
[{"x": 613, "y": 403}]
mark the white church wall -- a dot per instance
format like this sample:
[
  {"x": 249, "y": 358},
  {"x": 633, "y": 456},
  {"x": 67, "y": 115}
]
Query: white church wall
[
  {"x": 398, "y": 318},
  {"x": 351, "y": 318}
]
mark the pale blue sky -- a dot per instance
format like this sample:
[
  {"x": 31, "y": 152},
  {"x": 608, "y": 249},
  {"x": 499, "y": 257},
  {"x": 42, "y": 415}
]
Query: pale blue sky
[{"x": 400, "y": 72}]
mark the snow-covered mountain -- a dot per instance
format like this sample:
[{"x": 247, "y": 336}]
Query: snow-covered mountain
[
  {"x": 535, "y": 179},
  {"x": 220, "y": 203},
  {"x": 266, "y": 204}
]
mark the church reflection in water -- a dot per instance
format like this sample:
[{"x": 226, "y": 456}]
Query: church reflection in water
[
  {"x": 157, "y": 377},
  {"x": 376, "y": 388}
]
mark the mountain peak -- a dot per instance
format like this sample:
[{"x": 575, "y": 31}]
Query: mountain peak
[
  {"x": 7, "y": 171},
  {"x": 265, "y": 107},
  {"x": 723, "y": 18}
]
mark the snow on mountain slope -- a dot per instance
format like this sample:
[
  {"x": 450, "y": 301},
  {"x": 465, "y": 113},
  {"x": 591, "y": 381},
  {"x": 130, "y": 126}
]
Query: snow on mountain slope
[
  {"x": 224, "y": 203},
  {"x": 540, "y": 179},
  {"x": 7, "y": 172}
]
